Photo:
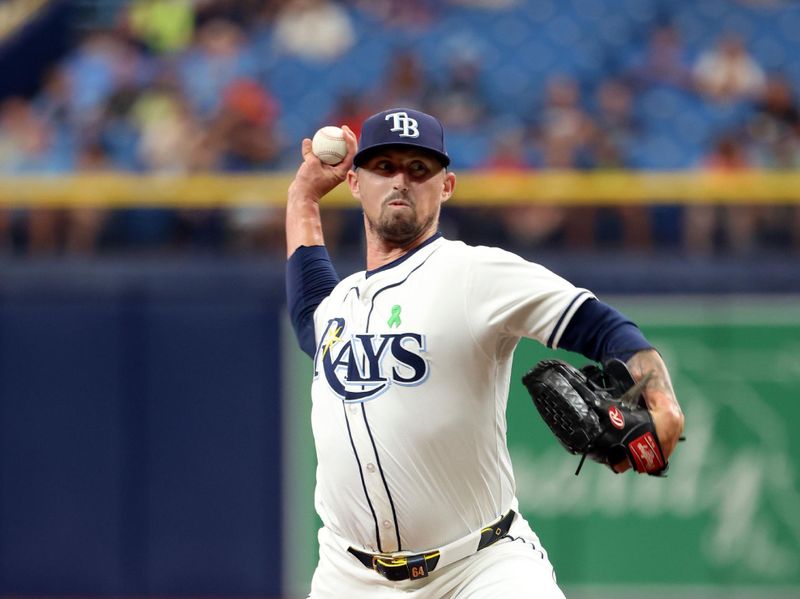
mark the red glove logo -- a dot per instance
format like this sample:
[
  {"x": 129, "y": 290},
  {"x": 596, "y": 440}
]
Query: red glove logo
[{"x": 616, "y": 417}]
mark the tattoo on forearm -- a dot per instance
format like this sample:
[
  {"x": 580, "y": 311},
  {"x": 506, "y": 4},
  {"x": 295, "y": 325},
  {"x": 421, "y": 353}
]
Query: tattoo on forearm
[{"x": 649, "y": 363}]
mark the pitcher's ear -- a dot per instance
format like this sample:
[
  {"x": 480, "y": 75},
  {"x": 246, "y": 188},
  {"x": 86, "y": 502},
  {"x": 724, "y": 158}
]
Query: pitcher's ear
[
  {"x": 352, "y": 181},
  {"x": 449, "y": 185}
]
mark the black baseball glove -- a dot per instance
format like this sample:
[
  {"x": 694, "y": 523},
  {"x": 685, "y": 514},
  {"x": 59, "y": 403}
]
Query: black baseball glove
[{"x": 599, "y": 413}]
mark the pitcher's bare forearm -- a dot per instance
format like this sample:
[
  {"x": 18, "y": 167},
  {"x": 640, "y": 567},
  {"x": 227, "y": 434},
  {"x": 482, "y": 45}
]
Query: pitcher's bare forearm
[
  {"x": 660, "y": 397},
  {"x": 303, "y": 222}
]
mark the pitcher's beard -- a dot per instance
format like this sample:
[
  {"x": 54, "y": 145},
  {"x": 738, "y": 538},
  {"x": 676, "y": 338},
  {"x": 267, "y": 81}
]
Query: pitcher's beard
[{"x": 399, "y": 229}]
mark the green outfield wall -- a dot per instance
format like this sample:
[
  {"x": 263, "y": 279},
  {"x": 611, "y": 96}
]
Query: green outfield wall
[{"x": 724, "y": 523}]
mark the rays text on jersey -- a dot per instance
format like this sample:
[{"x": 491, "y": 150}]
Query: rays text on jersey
[{"x": 362, "y": 366}]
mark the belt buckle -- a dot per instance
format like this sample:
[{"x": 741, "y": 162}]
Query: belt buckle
[
  {"x": 393, "y": 562},
  {"x": 405, "y": 567},
  {"x": 390, "y": 567}
]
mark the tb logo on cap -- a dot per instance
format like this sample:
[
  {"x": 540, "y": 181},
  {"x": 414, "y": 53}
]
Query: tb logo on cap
[{"x": 407, "y": 126}]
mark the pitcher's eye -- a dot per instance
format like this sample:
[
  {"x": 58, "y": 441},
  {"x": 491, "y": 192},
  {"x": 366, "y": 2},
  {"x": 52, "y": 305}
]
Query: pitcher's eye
[
  {"x": 418, "y": 168},
  {"x": 384, "y": 166}
]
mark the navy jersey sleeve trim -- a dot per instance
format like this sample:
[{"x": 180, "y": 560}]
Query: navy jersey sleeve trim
[
  {"x": 310, "y": 278},
  {"x": 552, "y": 341},
  {"x": 601, "y": 333}
]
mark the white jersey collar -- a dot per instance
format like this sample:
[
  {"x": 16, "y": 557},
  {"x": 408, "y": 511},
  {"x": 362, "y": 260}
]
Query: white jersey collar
[{"x": 404, "y": 257}]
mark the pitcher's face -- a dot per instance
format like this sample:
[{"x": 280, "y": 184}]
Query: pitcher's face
[{"x": 401, "y": 192}]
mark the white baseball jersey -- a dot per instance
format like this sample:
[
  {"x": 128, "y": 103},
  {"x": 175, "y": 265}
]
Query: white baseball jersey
[{"x": 411, "y": 378}]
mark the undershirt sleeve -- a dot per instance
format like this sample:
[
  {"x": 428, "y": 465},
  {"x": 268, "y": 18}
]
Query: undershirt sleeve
[
  {"x": 310, "y": 278},
  {"x": 601, "y": 333}
]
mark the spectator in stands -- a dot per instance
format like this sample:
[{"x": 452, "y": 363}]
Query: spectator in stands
[
  {"x": 351, "y": 109},
  {"x": 91, "y": 73},
  {"x": 163, "y": 26},
  {"x": 173, "y": 140},
  {"x": 563, "y": 128},
  {"x": 614, "y": 137},
  {"x": 84, "y": 225},
  {"x": 52, "y": 103},
  {"x": 614, "y": 127},
  {"x": 244, "y": 129},
  {"x": 773, "y": 132},
  {"x": 664, "y": 62},
  {"x": 25, "y": 138},
  {"x": 313, "y": 29},
  {"x": 773, "y": 142},
  {"x": 709, "y": 227},
  {"x": 218, "y": 56},
  {"x": 522, "y": 226},
  {"x": 171, "y": 136},
  {"x": 508, "y": 151},
  {"x": 118, "y": 130},
  {"x": 27, "y": 145},
  {"x": 404, "y": 82},
  {"x": 34, "y": 133},
  {"x": 563, "y": 134},
  {"x": 728, "y": 73},
  {"x": 460, "y": 99},
  {"x": 102, "y": 64},
  {"x": 166, "y": 138}
]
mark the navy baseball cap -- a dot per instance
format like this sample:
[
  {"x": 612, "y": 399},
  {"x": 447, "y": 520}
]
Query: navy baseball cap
[{"x": 402, "y": 127}]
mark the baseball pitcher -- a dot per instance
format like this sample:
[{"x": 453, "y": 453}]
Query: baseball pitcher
[{"x": 412, "y": 362}]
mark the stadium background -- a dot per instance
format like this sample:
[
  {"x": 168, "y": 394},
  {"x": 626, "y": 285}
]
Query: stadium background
[{"x": 153, "y": 411}]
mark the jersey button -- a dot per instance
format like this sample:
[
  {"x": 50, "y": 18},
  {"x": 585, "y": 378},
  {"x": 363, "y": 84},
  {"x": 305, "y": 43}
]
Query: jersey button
[
  {"x": 387, "y": 524},
  {"x": 353, "y": 409},
  {"x": 370, "y": 467}
]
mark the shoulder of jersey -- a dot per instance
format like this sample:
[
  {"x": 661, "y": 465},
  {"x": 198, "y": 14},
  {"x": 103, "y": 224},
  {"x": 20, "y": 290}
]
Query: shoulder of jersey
[
  {"x": 479, "y": 253},
  {"x": 349, "y": 281}
]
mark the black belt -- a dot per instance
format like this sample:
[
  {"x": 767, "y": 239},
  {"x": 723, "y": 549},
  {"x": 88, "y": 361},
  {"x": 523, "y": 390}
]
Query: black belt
[{"x": 395, "y": 567}]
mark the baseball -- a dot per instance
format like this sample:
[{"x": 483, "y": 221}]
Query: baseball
[{"x": 328, "y": 145}]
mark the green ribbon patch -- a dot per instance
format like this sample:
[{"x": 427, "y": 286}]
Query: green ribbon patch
[{"x": 394, "y": 319}]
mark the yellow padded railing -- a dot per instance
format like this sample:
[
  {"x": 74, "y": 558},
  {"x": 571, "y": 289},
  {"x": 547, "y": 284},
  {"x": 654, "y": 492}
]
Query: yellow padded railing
[{"x": 473, "y": 188}]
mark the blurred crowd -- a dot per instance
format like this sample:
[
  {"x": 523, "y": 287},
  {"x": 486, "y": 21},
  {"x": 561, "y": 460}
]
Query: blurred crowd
[{"x": 182, "y": 86}]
